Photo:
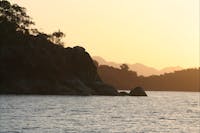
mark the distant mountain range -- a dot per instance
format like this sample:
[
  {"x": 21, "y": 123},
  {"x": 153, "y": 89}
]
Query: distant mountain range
[{"x": 141, "y": 69}]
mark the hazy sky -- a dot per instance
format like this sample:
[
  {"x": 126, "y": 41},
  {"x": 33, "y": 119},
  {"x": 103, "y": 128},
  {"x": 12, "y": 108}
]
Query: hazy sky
[{"x": 158, "y": 33}]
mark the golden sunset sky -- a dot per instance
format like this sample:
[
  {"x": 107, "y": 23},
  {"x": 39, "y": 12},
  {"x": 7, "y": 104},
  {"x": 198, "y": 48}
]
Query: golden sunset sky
[{"x": 158, "y": 33}]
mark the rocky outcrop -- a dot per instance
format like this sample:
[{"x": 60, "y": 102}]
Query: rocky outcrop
[
  {"x": 48, "y": 69},
  {"x": 138, "y": 91},
  {"x": 33, "y": 62}
]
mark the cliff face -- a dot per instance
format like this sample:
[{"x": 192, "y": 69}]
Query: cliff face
[{"x": 41, "y": 67}]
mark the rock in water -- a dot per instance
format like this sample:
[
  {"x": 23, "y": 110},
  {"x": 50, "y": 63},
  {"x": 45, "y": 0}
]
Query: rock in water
[
  {"x": 123, "y": 93},
  {"x": 138, "y": 91}
]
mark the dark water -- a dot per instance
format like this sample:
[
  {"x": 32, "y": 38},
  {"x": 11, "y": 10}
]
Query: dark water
[{"x": 166, "y": 112}]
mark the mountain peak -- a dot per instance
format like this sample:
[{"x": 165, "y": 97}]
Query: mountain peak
[{"x": 140, "y": 68}]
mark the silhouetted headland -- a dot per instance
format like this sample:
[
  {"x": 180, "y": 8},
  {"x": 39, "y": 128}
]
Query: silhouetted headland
[
  {"x": 124, "y": 79},
  {"x": 33, "y": 62}
]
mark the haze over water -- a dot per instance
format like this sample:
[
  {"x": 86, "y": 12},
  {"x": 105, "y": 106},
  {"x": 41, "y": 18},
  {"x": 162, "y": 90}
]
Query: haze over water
[{"x": 165, "y": 112}]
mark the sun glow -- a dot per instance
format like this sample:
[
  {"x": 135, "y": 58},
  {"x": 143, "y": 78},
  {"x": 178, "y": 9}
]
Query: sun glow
[{"x": 158, "y": 33}]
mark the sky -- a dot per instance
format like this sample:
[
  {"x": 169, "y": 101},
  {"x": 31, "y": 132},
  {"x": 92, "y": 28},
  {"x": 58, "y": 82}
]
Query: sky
[{"x": 157, "y": 33}]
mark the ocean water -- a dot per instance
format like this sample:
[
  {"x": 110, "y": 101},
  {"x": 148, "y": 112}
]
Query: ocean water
[{"x": 165, "y": 112}]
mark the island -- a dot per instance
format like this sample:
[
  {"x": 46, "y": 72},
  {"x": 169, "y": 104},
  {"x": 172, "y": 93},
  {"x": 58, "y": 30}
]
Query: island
[{"x": 33, "y": 62}]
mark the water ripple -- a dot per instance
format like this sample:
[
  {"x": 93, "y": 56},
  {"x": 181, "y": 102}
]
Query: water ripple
[{"x": 160, "y": 112}]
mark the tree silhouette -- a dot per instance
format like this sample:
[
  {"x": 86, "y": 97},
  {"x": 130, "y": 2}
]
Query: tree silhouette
[
  {"x": 15, "y": 26},
  {"x": 56, "y": 37},
  {"x": 14, "y": 17},
  {"x": 124, "y": 67}
]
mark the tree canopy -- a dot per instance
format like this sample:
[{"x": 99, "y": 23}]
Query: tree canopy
[
  {"x": 14, "y": 17},
  {"x": 14, "y": 22},
  {"x": 56, "y": 37}
]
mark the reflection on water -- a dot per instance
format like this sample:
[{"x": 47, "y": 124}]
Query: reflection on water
[{"x": 159, "y": 112}]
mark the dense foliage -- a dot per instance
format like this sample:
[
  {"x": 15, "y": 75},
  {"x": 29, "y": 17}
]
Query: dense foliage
[{"x": 15, "y": 26}]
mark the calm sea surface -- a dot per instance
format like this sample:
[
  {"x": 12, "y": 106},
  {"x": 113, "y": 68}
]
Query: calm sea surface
[{"x": 165, "y": 112}]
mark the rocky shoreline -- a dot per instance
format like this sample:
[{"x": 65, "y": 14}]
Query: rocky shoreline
[{"x": 70, "y": 87}]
